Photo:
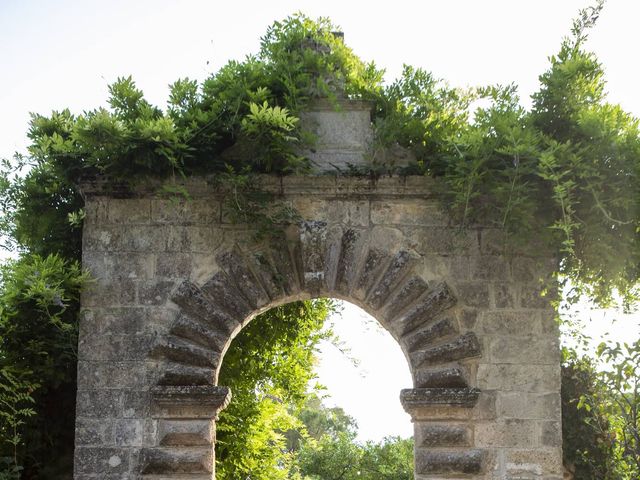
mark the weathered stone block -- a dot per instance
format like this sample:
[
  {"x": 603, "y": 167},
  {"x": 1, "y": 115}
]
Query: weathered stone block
[
  {"x": 141, "y": 238},
  {"x": 442, "y": 240},
  {"x": 415, "y": 398},
  {"x": 449, "y": 462},
  {"x": 120, "y": 267},
  {"x": 129, "y": 211},
  {"x": 166, "y": 461},
  {"x": 437, "y": 301},
  {"x": 176, "y": 211},
  {"x": 248, "y": 285},
  {"x": 156, "y": 292},
  {"x": 468, "y": 318},
  {"x": 465, "y": 346},
  {"x": 529, "y": 405},
  {"x": 261, "y": 264},
  {"x": 441, "y": 378},
  {"x": 196, "y": 332},
  {"x": 103, "y": 238},
  {"x": 184, "y": 352},
  {"x": 551, "y": 435},
  {"x": 97, "y": 403},
  {"x": 111, "y": 374},
  {"x": 114, "y": 320},
  {"x": 214, "y": 305},
  {"x": 400, "y": 265},
  {"x": 349, "y": 213},
  {"x": 174, "y": 265},
  {"x": 195, "y": 239},
  {"x": 546, "y": 462},
  {"x": 534, "y": 350},
  {"x": 186, "y": 433},
  {"x": 505, "y": 295},
  {"x": 424, "y": 337},
  {"x": 507, "y": 433},
  {"x": 485, "y": 409},
  {"x": 473, "y": 294},
  {"x": 343, "y": 135},
  {"x": 96, "y": 211},
  {"x": 220, "y": 300},
  {"x": 190, "y": 402},
  {"x": 115, "y": 347},
  {"x": 512, "y": 322},
  {"x": 489, "y": 267},
  {"x": 346, "y": 268},
  {"x": 407, "y": 212},
  {"x": 102, "y": 461},
  {"x": 94, "y": 432},
  {"x": 523, "y": 378},
  {"x": 405, "y": 296},
  {"x": 129, "y": 432},
  {"x": 136, "y": 404},
  {"x": 442, "y": 435},
  {"x": 110, "y": 293}
]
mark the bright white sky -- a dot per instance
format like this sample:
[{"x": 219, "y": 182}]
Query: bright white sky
[{"x": 63, "y": 54}]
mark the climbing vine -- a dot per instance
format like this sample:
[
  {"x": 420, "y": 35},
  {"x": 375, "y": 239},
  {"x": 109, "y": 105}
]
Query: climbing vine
[{"x": 565, "y": 171}]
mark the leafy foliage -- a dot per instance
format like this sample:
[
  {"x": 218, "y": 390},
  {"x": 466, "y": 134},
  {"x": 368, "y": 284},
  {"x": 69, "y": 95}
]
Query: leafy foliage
[
  {"x": 15, "y": 408},
  {"x": 568, "y": 170},
  {"x": 38, "y": 339},
  {"x": 586, "y": 435},
  {"x": 251, "y": 105},
  {"x": 601, "y": 404},
  {"x": 326, "y": 448},
  {"x": 268, "y": 367},
  {"x": 340, "y": 457},
  {"x": 591, "y": 158},
  {"x": 617, "y": 399}
]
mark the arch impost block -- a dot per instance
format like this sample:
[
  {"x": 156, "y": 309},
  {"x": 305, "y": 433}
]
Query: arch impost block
[
  {"x": 174, "y": 463},
  {"x": 413, "y": 399},
  {"x": 193, "y": 401},
  {"x": 446, "y": 462}
]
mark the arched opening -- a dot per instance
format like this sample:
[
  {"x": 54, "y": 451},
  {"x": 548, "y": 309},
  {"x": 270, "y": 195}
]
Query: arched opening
[
  {"x": 352, "y": 265},
  {"x": 280, "y": 424},
  {"x": 366, "y": 365}
]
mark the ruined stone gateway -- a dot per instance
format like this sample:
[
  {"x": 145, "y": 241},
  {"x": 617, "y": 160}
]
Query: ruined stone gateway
[{"x": 176, "y": 280}]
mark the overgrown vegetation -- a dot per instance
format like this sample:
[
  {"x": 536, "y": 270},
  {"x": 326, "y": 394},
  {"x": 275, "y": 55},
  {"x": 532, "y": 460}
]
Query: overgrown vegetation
[
  {"x": 600, "y": 411},
  {"x": 269, "y": 368},
  {"x": 38, "y": 345},
  {"x": 276, "y": 427},
  {"x": 567, "y": 171}
]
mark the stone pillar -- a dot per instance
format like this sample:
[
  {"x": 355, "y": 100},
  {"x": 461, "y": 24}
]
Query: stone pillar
[
  {"x": 185, "y": 432},
  {"x": 443, "y": 431}
]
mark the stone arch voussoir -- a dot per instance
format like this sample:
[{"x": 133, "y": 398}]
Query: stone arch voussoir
[{"x": 368, "y": 267}]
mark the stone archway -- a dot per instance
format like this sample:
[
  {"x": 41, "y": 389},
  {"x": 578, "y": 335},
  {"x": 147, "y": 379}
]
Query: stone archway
[
  {"x": 351, "y": 264},
  {"x": 176, "y": 280}
]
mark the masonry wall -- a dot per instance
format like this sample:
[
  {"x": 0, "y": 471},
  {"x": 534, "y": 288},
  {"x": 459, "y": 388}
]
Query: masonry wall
[{"x": 481, "y": 342}]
